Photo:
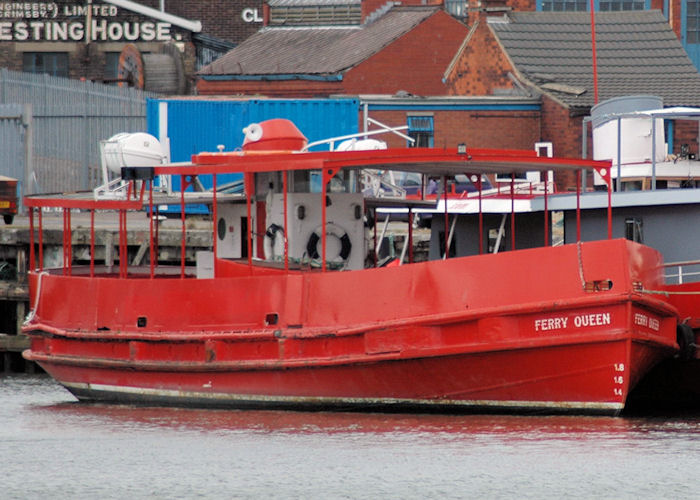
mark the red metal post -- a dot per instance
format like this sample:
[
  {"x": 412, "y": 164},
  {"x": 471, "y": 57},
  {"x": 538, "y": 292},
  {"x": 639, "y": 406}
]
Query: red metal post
[
  {"x": 70, "y": 244},
  {"x": 610, "y": 211},
  {"x": 215, "y": 219},
  {"x": 595, "y": 56},
  {"x": 249, "y": 191},
  {"x": 512, "y": 211},
  {"x": 410, "y": 235},
  {"x": 155, "y": 243},
  {"x": 67, "y": 242},
  {"x": 41, "y": 240},
  {"x": 546, "y": 209},
  {"x": 184, "y": 231},
  {"x": 92, "y": 243},
  {"x": 447, "y": 217},
  {"x": 32, "y": 259},
  {"x": 285, "y": 185},
  {"x": 578, "y": 205},
  {"x": 150, "y": 229},
  {"x": 376, "y": 260},
  {"x": 122, "y": 244},
  {"x": 324, "y": 214},
  {"x": 64, "y": 240},
  {"x": 481, "y": 217}
]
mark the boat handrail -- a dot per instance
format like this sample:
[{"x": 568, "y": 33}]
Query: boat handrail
[
  {"x": 332, "y": 140},
  {"x": 680, "y": 275}
]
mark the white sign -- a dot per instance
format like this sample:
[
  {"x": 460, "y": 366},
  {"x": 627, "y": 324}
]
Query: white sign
[
  {"x": 584, "y": 320},
  {"x": 251, "y": 15},
  {"x": 38, "y": 22}
]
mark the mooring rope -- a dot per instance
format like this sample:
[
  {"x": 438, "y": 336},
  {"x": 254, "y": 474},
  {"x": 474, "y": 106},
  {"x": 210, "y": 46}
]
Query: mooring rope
[
  {"x": 580, "y": 265},
  {"x": 32, "y": 312},
  {"x": 667, "y": 293}
]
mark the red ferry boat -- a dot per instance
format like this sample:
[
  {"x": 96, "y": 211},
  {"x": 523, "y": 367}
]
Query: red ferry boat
[{"x": 290, "y": 309}]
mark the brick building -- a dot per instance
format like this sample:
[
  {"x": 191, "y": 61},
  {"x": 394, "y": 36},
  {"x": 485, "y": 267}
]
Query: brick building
[
  {"x": 404, "y": 49},
  {"x": 548, "y": 54},
  {"x": 416, "y": 55},
  {"x": 169, "y": 40}
]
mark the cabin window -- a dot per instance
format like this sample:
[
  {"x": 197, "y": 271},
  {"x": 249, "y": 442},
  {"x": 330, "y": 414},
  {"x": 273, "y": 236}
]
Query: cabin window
[
  {"x": 633, "y": 229},
  {"x": 344, "y": 181},
  {"x": 52, "y": 63},
  {"x": 420, "y": 129}
]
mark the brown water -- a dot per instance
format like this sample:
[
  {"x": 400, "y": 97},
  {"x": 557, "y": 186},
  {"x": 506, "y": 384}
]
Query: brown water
[{"x": 53, "y": 447}]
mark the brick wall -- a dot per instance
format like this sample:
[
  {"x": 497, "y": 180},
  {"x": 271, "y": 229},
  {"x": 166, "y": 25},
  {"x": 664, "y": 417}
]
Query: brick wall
[
  {"x": 481, "y": 129},
  {"x": 220, "y": 18},
  {"x": 415, "y": 62},
  {"x": 283, "y": 88},
  {"x": 482, "y": 66},
  {"x": 564, "y": 132},
  {"x": 685, "y": 132}
]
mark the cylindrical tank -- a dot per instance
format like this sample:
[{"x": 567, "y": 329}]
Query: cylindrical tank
[
  {"x": 132, "y": 150},
  {"x": 636, "y": 142}
]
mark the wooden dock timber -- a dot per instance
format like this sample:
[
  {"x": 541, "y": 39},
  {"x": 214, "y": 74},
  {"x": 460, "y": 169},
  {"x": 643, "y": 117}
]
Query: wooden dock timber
[{"x": 14, "y": 260}]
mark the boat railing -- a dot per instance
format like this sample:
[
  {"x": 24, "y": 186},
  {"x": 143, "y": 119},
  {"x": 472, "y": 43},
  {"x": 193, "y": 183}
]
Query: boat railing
[
  {"x": 680, "y": 272},
  {"x": 384, "y": 129}
]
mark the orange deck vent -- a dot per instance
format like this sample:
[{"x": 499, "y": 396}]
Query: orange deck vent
[{"x": 277, "y": 134}]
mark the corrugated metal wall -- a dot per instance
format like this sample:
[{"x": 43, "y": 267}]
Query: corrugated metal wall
[
  {"x": 69, "y": 118},
  {"x": 12, "y": 137},
  {"x": 196, "y": 125}
]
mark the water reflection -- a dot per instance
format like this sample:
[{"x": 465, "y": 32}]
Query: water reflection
[
  {"x": 53, "y": 443},
  {"x": 306, "y": 422}
]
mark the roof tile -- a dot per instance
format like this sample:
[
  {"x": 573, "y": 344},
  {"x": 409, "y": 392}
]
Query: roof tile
[
  {"x": 316, "y": 51},
  {"x": 637, "y": 53}
]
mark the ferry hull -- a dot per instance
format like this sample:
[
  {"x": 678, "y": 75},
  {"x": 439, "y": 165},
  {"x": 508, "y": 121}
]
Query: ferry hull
[
  {"x": 592, "y": 376},
  {"x": 389, "y": 338}
]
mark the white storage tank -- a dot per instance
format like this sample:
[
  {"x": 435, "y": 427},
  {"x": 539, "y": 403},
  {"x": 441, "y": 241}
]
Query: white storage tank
[{"x": 636, "y": 141}]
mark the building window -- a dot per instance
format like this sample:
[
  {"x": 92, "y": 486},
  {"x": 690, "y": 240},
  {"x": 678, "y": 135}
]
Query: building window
[
  {"x": 600, "y": 5},
  {"x": 420, "y": 128},
  {"x": 456, "y": 8},
  {"x": 52, "y": 63},
  {"x": 617, "y": 5},
  {"x": 692, "y": 22},
  {"x": 111, "y": 73},
  {"x": 564, "y": 5}
]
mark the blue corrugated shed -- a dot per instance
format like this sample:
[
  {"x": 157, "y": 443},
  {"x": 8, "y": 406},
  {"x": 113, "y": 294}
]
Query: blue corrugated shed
[{"x": 201, "y": 125}]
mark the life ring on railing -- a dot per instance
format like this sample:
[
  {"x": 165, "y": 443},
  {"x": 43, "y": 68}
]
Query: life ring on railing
[
  {"x": 270, "y": 241},
  {"x": 331, "y": 230}
]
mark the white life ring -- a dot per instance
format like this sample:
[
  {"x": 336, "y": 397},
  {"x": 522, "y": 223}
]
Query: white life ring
[{"x": 331, "y": 230}]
